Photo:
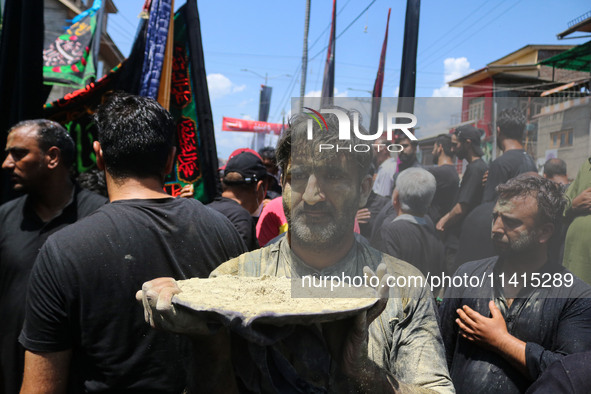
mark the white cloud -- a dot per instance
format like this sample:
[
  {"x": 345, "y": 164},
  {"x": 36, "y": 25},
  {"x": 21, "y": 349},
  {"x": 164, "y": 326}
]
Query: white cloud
[
  {"x": 220, "y": 86},
  {"x": 247, "y": 117},
  {"x": 236, "y": 89},
  {"x": 453, "y": 68},
  {"x": 447, "y": 91}
]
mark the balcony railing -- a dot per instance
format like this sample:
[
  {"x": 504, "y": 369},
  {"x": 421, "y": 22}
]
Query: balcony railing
[{"x": 581, "y": 18}]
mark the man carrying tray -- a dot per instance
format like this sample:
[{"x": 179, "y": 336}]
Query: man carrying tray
[{"x": 394, "y": 346}]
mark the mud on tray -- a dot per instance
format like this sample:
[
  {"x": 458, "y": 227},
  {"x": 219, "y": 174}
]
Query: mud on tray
[{"x": 268, "y": 300}]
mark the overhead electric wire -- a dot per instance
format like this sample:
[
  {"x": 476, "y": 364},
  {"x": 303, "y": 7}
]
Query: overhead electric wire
[
  {"x": 346, "y": 28},
  {"x": 455, "y": 26},
  {"x": 287, "y": 95},
  {"x": 514, "y": 4},
  {"x": 295, "y": 77},
  {"x": 462, "y": 33},
  {"x": 117, "y": 21},
  {"x": 130, "y": 23},
  {"x": 328, "y": 26},
  {"x": 121, "y": 33},
  {"x": 523, "y": 87},
  {"x": 249, "y": 54}
]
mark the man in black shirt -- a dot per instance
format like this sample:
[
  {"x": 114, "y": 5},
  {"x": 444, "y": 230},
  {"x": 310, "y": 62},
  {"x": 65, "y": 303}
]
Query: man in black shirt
[
  {"x": 524, "y": 311},
  {"x": 570, "y": 375},
  {"x": 446, "y": 175},
  {"x": 40, "y": 154},
  {"x": 83, "y": 329},
  {"x": 514, "y": 160},
  {"x": 466, "y": 146},
  {"x": 244, "y": 186},
  {"x": 411, "y": 235}
]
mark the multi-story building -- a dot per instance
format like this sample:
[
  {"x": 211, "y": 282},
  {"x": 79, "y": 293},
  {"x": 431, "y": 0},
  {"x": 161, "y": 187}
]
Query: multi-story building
[
  {"x": 564, "y": 122},
  {"x": 550, "y": 83},
  {"x": 515, "y": 80}
]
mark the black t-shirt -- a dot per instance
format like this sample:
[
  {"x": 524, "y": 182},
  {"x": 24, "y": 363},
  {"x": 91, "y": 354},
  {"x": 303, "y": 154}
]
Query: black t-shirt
[
  {"x": 81, "y": 294},
  {"x": 446, "y": 194},
  {"x": 240, "y": 218},
  {"x": 567, "y": 375},
  {"x": 413, "y": 240},
  {"x": 510, "y": 164},
  {"x": 22, "y": 233},
  {"x": 471, "y": 187},
  {"x": 475, "y": 242}
]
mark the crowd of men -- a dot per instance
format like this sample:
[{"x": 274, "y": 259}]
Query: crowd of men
[{"x": 73, "y": 265}]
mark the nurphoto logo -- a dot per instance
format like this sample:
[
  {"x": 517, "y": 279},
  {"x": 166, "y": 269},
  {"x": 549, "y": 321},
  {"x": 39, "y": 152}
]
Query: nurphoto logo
[{"x": 345, "y": 128}]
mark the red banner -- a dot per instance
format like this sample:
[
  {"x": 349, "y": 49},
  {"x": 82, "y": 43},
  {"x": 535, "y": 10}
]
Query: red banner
[{"x": 253, "y": 126}]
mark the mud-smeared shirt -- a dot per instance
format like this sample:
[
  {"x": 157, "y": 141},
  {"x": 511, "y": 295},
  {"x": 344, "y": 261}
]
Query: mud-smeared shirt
[
  {"x": 404, "y": 340},
  {"x": 554, "y": 319}
]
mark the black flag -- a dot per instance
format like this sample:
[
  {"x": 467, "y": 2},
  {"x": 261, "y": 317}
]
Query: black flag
[
  {"x": 377, "y": 87},
  {"x": 22, "y": 93}
]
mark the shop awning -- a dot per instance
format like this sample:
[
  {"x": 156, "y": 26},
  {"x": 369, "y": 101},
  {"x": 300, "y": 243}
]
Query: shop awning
[{"x": 577, "y": 59}]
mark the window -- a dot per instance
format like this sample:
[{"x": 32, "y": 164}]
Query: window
[
  {"x": 476, "y": 109},
  {"x": 561, "y": 139}
]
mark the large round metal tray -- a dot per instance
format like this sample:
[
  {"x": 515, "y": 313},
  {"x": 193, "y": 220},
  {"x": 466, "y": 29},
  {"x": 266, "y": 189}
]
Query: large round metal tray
[{"x": 278, "y": 301}]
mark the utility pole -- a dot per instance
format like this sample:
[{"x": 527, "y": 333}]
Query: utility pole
[
  {"x": 408, "y": 73},
  {"x": 305, "y": 56}
]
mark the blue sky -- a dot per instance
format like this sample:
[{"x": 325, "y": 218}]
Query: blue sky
[{"x": 265, "y": 36}]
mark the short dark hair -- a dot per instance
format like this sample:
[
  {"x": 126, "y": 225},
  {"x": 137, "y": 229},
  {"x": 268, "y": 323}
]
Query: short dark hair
[
  {"x": 444, "y": 140},
  {"x": 93, "y": 180},
  {"x": 136, "y": 135},
  {"x": 50, "y": 133},
  {"x": 554, "y": 167},
  {"x": 295, "y": 136},
  {"x": 511, "y": 122},
  {"x": 549, "y": 196},
  {"x": 268, "y": 153}
]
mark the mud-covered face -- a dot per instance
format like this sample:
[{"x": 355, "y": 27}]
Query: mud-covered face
[
  {"x": 514, "y": 225},
  {"x": 320, "y": 200}
]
